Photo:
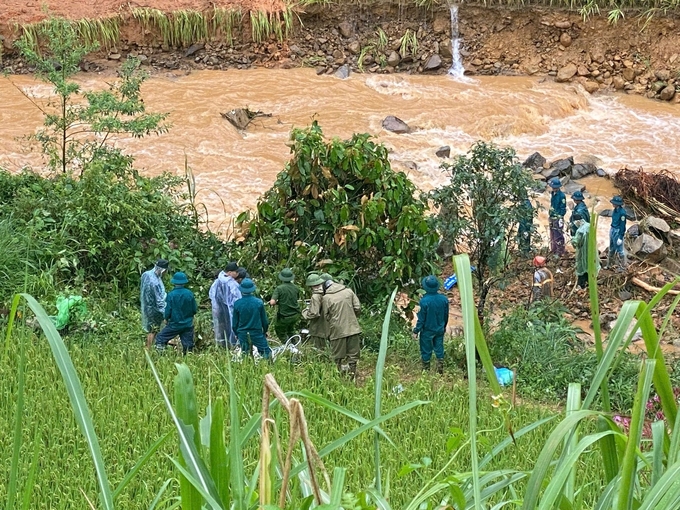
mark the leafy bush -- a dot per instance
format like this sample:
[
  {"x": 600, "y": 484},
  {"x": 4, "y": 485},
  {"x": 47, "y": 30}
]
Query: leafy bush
[
  {"x": 109, "y": 225},
  {"x": 338, "y": 204},
  {"x": 543, "y": 347}
]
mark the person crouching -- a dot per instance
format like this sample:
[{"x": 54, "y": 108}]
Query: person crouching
[
  {"x": 250, "y": 323},
  {"x": 433, "y": 317}
]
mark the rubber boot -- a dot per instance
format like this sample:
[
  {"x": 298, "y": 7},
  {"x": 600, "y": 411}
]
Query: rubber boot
[
  {"x": 352, "y": 372},
  {"x": 426, "y": 366},
  {"x": 440, "y": 366}
]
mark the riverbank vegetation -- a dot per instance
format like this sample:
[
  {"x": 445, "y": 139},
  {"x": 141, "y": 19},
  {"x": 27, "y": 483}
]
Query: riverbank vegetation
[{"x": 399, "y": 438}]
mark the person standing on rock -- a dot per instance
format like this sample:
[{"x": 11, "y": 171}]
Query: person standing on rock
[
  {"x": 250, "y": 321},
  {"x": 542, "y": 286},
  {"x": 617, "y": 254},
  {"x": 525, "y": 228},
  {"x": 580, "y": 209},
  {"x": 558, "y": 208},
  {"x": 580, "y": 243},
  {"x": 433, "y": 317},
  {"x": 152, "y": 297},
  {"x": 286, "y": 296},
  {"x": 318, "y": 327},
  {"x": 180, "y": 309},
  {"x": 340, "y": 308}
]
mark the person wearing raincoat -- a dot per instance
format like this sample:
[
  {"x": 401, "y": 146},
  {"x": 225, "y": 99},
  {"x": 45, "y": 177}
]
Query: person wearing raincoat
[
  {"x": 580, "y": 243},
  {"x": 433, "y": 317},
  {"x": 250, "y": 322},
  {"x": 318, "y": 328},
  {"x": 558, "y": 208},
  {"x": 152, "y": 297},
  {"x": 223, "y": 294},
  {"x": 579, "y": 209},
  {"x": 617, "y": 254}
]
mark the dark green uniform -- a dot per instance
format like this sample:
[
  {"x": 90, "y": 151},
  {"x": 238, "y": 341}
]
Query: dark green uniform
[{"x": 286, "y": 296}]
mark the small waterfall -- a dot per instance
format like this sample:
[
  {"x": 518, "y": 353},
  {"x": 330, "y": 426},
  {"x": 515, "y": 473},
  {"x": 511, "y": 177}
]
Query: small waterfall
[{"x": 456, "y": 69}]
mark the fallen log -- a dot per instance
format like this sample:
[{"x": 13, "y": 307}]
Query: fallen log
[
  {"x": 241, "y": 117},
  {"x": 650, "y": 288}
]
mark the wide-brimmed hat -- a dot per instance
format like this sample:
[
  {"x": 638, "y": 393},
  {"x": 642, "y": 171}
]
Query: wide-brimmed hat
[
  {"x": 179, "y": 278},
  {"x": 430, "y": 283},
  {"x": 313, "y": 280},
  {"x": 247, "y": 286},
  {"x": 286, "y": 275},
  {"x": 577, "y": 195},
  {"x": 162, "y": 263},
  {"x": 231, "y": 267},
  {"x": 617, "y": 200},
  {"x": 555, "y": 183},
  {"x": 539, "y": 261},
  {"x": 326, "y": 277}
]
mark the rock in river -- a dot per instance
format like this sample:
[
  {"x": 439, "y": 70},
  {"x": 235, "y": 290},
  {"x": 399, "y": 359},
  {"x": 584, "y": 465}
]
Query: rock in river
[
  {"x": 395, "y": 124},
  {"x": 443, "y": 152},
  {"x": 342, "y": 72}
]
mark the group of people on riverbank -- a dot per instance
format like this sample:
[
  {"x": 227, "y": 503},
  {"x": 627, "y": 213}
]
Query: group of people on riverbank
[
  {"x": 240, "y": 319},
  {"x": 579, "y": 229}
]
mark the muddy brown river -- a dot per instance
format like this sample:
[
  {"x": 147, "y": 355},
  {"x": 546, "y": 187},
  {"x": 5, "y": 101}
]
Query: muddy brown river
[{"x": 232, "y": 169}]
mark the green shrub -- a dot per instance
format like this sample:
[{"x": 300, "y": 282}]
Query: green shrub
[
  {"x": 109, "y": 225},
  {"x": 340, "y": 206},
  {"x": 543, "y": 347}
]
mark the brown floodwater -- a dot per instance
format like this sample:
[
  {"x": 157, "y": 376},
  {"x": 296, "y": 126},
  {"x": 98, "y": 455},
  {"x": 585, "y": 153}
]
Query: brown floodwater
[{"x": 232, "y": 169}]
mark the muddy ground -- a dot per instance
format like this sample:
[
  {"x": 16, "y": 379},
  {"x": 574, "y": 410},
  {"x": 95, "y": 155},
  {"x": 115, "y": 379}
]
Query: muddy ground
[{"x": 628, "y": 56}]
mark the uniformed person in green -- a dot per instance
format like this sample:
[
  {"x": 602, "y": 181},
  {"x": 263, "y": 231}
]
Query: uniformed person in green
[
  {"x": 318, "y": 327},
  {"x": 286, "y": 296},
  {"x": 250, "y": 323},
  {"x": 340, "y": 307}
]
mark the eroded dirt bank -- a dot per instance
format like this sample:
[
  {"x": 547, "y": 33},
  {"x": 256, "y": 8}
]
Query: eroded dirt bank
[{"x": 387, "y": 39}]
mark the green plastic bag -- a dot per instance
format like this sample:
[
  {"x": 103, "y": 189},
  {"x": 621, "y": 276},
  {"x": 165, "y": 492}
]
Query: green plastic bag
[{"x": 70, "y": 310}]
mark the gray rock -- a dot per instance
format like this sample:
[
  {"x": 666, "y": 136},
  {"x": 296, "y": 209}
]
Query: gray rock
[
  {"x": 320, "y": 70},
  {"x": 601, "y": 173},
  {"x": 663, "y": 75},
  {"x": 550, "y": 173},
  {"x": 566, "y": 73},
  {"x": 194, "y": 48},
  {"x": 563, "y": 166},
  {"x": 649, "y": 248},
  {"x": 573, "y": 187},
  {"x": 666, "y": 94},
  {"x": 346, "y": 29},
  {"x": 625, "y": 295},
  {"x": 393, "y": 59},
  {"x": 342, "y": 72},
  {"x": 443, "y": 152},
  {"x": 674, "y": 238},
  {"x": 294, "y": 48},
  {"x": 657, "y": 227},
  {"x": 114, "y": 56},
  {"x": 535, "y": 161},
  {"x": 633, "y": 231},
  {"x": 395, "y": 124},
  {"x": 433, "y": 63},
  {"x": 582, "y": 169}
]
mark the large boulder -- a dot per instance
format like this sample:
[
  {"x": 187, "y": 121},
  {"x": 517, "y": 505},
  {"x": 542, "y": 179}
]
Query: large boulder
[
  {"x": 393, "y": 59},
  {"x": 550, "y": 173},
  {"x": 582, "y": 169},
  {"x": 395, "y": 124},
  {"x": 649, "y": 248},
  {"x": 535, "y": 161},
  {"x": 667, "y": 93},
  {"x": 657, "y": 227},
  {"x": 563, "y": 166}
]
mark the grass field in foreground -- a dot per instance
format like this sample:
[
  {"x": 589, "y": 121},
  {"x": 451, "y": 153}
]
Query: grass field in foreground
[{"x": 129, "y": 416}]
